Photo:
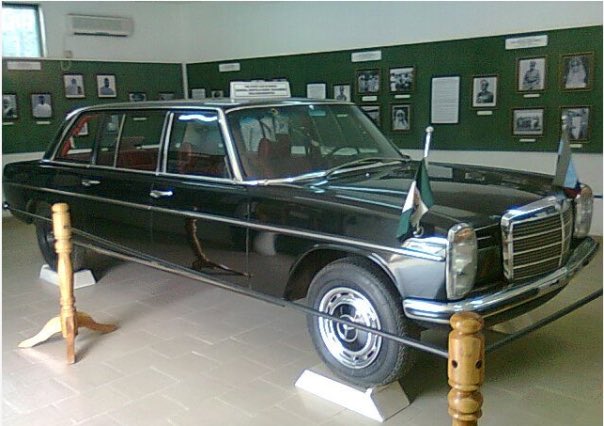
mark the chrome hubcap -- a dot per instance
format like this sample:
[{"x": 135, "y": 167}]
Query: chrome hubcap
[{"x": 351, "y": 347}]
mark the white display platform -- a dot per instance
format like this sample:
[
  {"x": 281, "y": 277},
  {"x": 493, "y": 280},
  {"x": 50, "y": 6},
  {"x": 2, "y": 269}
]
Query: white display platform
[
  {"x": 379, "y": 403},
  {"x": 83, "y": 278}
]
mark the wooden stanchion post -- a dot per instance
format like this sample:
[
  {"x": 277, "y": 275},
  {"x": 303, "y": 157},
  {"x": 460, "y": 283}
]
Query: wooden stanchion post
[
  {"x": 466, "y": 368},
  {"x": 69, "y": 318}
]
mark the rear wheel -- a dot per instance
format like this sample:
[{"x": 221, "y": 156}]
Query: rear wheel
[
  {"x": 354, "y": 290},
  {"x": 46, "y": 242}
]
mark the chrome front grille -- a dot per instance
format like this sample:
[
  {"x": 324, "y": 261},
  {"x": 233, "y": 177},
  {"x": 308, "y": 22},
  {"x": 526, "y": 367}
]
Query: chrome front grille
[{"x": 536, "y": 238}]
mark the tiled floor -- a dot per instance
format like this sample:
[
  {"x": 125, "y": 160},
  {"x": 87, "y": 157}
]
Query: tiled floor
[{"x": 189, "y": 354}]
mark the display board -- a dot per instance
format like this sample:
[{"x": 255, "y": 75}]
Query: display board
[
  {"x": 68, "y": 84},
  {"x": 505, "y": 102}
]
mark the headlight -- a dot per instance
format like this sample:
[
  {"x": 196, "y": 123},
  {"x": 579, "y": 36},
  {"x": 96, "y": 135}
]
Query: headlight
[
  {"x": 462, "y": 256},
  {"x": 584, "y": 206}
]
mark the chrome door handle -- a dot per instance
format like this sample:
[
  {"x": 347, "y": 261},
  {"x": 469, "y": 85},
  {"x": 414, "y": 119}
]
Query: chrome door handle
[
  {"x": 160, "y": 194},
  {"x": 90, "y": 182}
]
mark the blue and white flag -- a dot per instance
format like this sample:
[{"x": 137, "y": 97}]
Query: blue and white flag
[
  {"x": 419, "y": 198},
  {"x": 566, "y": 175}
]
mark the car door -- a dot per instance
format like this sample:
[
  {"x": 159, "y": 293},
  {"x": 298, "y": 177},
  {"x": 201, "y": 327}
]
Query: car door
[
  {"x": 200, "y": 213},
  {"x": 116, "y": 187}
]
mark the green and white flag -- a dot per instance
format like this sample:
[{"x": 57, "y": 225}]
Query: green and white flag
[
  {"x": 418, "y": 201},
  {"x": 419, "y": 198}
]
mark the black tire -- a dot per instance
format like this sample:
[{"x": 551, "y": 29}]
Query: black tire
[
  {"x": 46, "y": 242},
  {"x": 355, "y": 289}
]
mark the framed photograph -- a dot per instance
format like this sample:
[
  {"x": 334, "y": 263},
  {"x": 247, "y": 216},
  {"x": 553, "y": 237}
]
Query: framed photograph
[
  {"x": 527, "y": 121},
  {"x": 578, "y": 121},
  {"x": 577, "y": 71},
  {"x": 484, "y": 91},
  {"x": 198, "y": 93},
  {"x": 368, "y": 82},
  {"x": 316, "y": 91},
  {"x": 9, "y": 106},
  {"x": 341, "y": 92},
  {"x": 74, "y": 85},
  {"x": 217, "y": 94},
  {"x": 105, "y": 84},
  {"x": 373, "y": 112},
  {"x": 166, "y": 96},
  {"x": 137, "y": 96},
  {"x": 41, "y": 105},
  {"x": 530, "y": 73},
  {"x": 401, "y": 117},
  {"x": 402, "y": 79}
]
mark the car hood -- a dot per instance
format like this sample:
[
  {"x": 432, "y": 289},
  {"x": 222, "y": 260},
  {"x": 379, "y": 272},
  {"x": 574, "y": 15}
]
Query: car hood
[{"x": 470, "y": 194}]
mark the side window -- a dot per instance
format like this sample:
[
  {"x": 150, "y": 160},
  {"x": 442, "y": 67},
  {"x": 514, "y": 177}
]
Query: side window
[
  {"x": 196, "y": 146},
  {"x": 107, "y": 138},
  {"x": 140, "y": 139},
  {"x": 77, "y": 145}
]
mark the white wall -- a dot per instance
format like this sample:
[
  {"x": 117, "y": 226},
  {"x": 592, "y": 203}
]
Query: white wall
[
  {"x": 158, "y": 31},
  {"x": 176, "y": 31},
  {"x": 225, "y": 30}
]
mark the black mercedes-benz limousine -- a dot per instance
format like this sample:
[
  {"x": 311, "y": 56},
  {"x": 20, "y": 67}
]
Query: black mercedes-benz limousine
[{"x": 302, "y": 199}]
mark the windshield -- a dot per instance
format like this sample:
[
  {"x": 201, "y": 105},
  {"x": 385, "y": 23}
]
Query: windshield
[{"x": 293, "y": 140}]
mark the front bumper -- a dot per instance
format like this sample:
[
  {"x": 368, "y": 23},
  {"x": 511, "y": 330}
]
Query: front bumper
[{"x": 509, "y": 298}]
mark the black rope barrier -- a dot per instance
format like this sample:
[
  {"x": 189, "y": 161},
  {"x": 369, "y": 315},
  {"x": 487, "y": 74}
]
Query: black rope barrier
[
  {"x": 115, "y": 250},
  {"x": 543, "y": 322}
]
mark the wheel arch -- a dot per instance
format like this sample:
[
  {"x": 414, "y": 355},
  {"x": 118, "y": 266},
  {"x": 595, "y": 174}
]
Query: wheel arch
[{"x": 308, "y": 264}]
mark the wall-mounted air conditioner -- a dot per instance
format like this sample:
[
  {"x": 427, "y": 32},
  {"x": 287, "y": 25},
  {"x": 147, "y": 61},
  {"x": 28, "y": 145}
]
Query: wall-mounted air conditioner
[{"x": 100, "y": 25}]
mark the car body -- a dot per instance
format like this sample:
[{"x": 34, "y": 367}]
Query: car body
[{"x": 298, "y": 198}]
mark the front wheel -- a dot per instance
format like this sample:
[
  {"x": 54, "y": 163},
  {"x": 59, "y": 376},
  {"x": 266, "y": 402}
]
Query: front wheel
[{"x": 354, "y": 290}]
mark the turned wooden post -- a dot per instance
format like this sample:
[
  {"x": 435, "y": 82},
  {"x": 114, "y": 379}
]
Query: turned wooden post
[
  {"x": 61, "y": 225},
  {"x": 465, "y": 368},
  {"x": 69, "y": 318}
]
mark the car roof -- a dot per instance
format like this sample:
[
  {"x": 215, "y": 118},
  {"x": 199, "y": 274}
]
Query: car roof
[{"x": 221, "y": 103}]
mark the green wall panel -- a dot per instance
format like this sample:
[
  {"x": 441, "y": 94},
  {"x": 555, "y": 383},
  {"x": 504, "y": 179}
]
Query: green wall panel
[
  {"x": 25, "y": 135},
  {"x": 466, "y": 58}
]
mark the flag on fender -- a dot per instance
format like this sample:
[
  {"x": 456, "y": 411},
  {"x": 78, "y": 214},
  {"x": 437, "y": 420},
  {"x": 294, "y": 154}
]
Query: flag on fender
[
  {"x": 419, "y": 199},
  {"x": 566, "y": 175}
]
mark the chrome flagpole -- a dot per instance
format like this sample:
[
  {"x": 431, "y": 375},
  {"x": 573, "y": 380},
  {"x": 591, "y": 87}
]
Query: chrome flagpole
[{"x": 429, "y": 131}]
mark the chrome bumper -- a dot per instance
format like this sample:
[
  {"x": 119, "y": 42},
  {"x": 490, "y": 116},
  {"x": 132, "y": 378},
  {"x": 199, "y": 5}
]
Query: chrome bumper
[{"x": 506, "y": 299}]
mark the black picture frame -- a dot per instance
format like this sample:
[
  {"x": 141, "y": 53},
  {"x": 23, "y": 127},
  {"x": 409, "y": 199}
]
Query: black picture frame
[
  {"x": 10, "y": 107},
  {"x": 531, "y": 74},
  {"x": 402, "y": 79},
  {"x": 528, "y": 121},
  {"x": 106, "y": 85},
  {"x": 576, "y": 71},
  {"x": 73, "y": 86},
  {"x": 368, "y": 81},
  {"x": 38, "y": 110},
  {"x": 137, "y": 96},
  {"x": 342, "y": 92},
  {"x": 579, "y": 119},
  {"x": 400, "y": 117},
  {"x": 484, "y": 91}
]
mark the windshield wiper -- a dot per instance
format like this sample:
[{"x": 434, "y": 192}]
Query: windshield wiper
[{"x": 361, "y": 164}]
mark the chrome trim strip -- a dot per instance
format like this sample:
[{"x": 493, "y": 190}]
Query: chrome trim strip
[
  {"x": 164, "y": 161},
  {"x": 526, "y": 265},
  {"x": 506, "y": 299},
  {"x": 222, "y": 219}
]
